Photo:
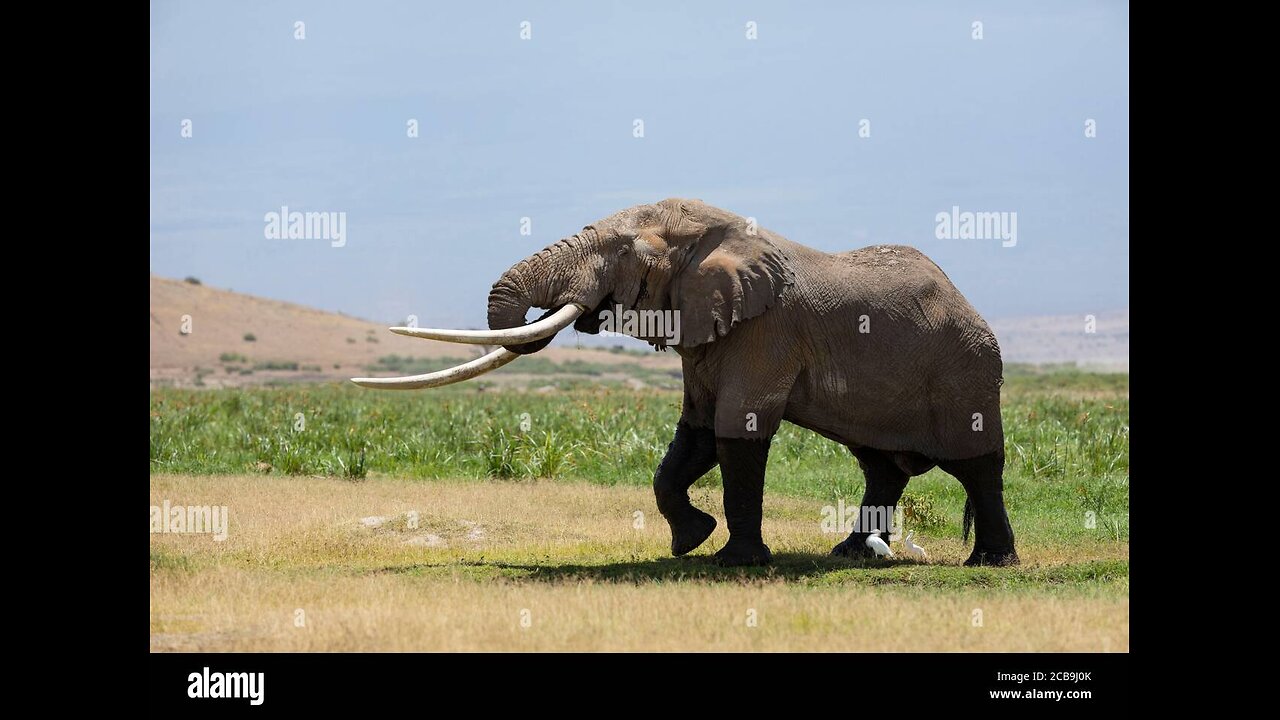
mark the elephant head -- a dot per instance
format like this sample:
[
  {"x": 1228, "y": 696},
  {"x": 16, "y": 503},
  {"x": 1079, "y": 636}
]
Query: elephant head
[{"x": 704, "y": 269}]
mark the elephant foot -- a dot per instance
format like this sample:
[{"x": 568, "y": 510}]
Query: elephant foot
[
  {"x": 992, "y": 559},
  {"x": 690, "y": 531},
  {"x": 741, "y": 553}
]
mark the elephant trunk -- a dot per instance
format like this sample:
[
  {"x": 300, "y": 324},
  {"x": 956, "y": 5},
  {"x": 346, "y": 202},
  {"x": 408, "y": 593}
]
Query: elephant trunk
[
  {"x": 554, "y": 278},
  {"x": 542, "y": 280}
]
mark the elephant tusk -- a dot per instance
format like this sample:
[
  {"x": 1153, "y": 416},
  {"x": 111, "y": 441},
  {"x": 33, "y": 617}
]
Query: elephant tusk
[
  {"x": 458, "y": 373},
  {"x": 544, "y": 328}
]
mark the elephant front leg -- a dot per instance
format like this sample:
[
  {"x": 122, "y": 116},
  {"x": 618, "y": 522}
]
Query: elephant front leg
[
  {"x": 691, "y": 454},
  {"x": 742, "y": 467}
]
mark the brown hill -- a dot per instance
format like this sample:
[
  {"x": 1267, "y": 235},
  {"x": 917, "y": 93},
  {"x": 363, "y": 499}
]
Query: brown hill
[{"x": 238, "y": 339}]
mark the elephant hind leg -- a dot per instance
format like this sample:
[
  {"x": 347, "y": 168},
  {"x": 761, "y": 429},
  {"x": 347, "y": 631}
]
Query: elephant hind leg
[
  {"x": 886, "y": 479},
  {"x": 983, "y": 480}
]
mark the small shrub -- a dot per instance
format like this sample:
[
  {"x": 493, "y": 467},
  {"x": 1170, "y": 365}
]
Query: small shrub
[
  {"x": 549, "y": 458},
  {"x": 499, "y": 450},
  {"x": 919, "y": 510},
  {"x": 355, "y": 469},
  {"x": 250, "y": 337}
]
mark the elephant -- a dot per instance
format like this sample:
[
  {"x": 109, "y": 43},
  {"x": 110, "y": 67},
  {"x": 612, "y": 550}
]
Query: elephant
[{"x": 874, "y": 348}]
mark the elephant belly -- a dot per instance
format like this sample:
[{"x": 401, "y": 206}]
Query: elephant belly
[{"x": 943, "y": 406}]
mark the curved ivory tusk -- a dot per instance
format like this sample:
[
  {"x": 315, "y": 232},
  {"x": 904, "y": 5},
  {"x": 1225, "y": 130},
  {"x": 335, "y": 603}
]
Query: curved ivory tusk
[
  {"x": 543, "y": 328},
  {"x": 458, "y": 373}
]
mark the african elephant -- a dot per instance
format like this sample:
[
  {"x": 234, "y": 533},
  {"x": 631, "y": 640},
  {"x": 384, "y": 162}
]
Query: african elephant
[{"x": 871, "y": 348}]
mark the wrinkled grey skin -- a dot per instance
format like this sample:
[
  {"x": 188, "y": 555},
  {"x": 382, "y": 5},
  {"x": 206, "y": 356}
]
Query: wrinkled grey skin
[{"x": 872, "y": 348}]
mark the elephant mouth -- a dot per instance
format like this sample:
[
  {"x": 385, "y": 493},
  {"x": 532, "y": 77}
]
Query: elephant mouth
[{"x": 590, "y": 322}]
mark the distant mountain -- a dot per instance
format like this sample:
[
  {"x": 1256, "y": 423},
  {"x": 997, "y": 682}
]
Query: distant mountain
[{"x": 1067, "y": 339}]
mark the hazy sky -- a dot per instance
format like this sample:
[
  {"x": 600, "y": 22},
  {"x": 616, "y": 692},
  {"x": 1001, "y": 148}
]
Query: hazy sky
[{"x": 543, "y": 128}]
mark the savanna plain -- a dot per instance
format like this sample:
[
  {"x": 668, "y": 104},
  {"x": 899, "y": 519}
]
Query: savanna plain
[{"x": 496, "y": 517}]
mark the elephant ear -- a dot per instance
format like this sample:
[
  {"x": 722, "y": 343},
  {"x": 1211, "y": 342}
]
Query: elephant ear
[{"x": 732, "y": 276}]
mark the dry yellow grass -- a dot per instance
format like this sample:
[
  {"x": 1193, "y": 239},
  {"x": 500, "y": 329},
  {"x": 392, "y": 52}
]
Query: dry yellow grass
[{"x": 557, "y": 566}]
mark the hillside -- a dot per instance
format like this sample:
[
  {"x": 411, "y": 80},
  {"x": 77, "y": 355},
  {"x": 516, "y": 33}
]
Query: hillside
[{"x": 294, "y": 343}]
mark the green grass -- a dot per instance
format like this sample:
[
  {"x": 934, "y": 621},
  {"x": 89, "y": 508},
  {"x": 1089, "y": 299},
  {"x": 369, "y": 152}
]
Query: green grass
[
  {"x": 410, "y": 365},
  {"x": 577, "y": 371},
  {"x": 1031, "y": 378},
  {"x": 276, "y": 365},
  {"x": 1067, "y": 439}
]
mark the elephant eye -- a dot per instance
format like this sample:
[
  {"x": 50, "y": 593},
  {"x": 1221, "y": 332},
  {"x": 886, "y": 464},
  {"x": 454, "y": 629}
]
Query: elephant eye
[{"x": 623, "y": 249}]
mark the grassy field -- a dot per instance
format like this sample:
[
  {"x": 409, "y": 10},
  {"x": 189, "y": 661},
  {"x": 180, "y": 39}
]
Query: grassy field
[{"x": 469, "y": 520}]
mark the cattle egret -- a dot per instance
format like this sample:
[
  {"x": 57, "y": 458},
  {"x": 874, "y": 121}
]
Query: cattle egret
[
  {"x": 878, "y": 546},
  {"x": 913, "y": 549}
]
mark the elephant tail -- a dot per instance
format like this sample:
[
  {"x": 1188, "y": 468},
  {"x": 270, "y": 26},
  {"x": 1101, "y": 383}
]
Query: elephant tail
[{"x": 968, "y": 518}]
